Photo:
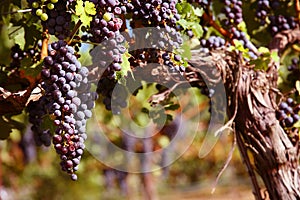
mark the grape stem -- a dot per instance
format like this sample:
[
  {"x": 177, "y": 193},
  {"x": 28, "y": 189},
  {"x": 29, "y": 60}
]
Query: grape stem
[
  {"x": 44, "y": 51},
  {"x": 18, "y": 11},
  {"x": 74, "y": 31},
  {"x": 211, "y": 22}
]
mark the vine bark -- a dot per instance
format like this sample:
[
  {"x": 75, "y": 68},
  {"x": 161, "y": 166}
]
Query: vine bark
[{"x": 251, "y": 96}]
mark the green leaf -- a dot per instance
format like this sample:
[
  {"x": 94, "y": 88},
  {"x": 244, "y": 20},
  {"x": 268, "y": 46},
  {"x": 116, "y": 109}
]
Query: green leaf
[
  {"x": 89, "y": 8},
  {"x": 32, "y": 33},
  {"x": 85, "y": 19},
  {"x": 187, "y": 8},
  {"x": 48, "y": 124},
  {"x": 275, "y": 56},
  {"x": 260, "y": 64},
  {"x": 198, "y": 12},
  {"x": 79, "y": 9},
  {"x": 186, "y": 51},
  {"x": 33, "y": 70},
  {"x": 263, "y": 50},
  {"x": 179, "y": 7},
  {"x": 183, "y": 23},
  {"x": 125, "y": 65},
  {"x": 239, "y": 46},
  {"x": 84, "y": 12},
  {"x": 20, "y": 38},
  {"x": 297, "y": 124},
  {"x": 197, "y": 30}
]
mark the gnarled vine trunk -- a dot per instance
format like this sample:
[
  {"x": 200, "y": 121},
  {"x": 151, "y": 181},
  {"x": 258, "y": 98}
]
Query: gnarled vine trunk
[{"x": 251, "y": 96}]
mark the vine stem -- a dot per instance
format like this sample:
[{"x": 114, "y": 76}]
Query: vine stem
[
  {"x": 297, "y": 7},
  {"x": 246, "y": 160},
  {"x": 44, "y": 51},
  {"x": 18, "y": 11},
  {"x": 74, "y": 31},
  {"x": 225, "y": 164},
  {"x": 211, "y": 22}
]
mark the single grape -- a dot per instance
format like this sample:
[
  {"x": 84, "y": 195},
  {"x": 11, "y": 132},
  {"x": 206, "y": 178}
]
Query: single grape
[{"x": 39, "y": 12}]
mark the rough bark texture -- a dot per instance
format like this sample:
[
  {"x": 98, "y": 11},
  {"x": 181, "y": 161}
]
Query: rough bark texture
[{"x": 251, "y": 96}]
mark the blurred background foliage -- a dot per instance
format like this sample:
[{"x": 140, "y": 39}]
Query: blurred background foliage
[{"x": 30, "y": 172}]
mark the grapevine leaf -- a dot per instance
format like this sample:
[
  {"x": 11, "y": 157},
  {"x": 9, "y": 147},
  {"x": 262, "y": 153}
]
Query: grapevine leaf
[
  {"x": 263, "y": 50},
  {"x": 125, "y": 65},
  {"x": 48, "y": 124},
  {"x": 20, "y": 38},
  {"x": 31, "y": 31},
  {"x": 198, "y": 12},
  {"x": 89, "y": 8},
  {"x": 197, "y": 30},
  {"x": 34, "y": 70},
  {"x": 297, "y": 124},
  {"x": 83, "y": 12},
  {"x": 275, "y": 56},
  {"x": 260, "y": 64},
  {"x": 187, "y": 8},
  {"x": 79, "y": 9},
  {"x": 183, "y": 23},
  {"x": 85, "y": 19},
  {"x": 186, "y": 51}
]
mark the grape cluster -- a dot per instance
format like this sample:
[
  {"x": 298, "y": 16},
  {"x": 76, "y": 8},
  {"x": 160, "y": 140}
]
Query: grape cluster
[
  {"x": 37, "y": 111},
  {"x": 141, "y": 57},
  {"x": 202, "y": 3},
  {"x": 114, "y": 94},
  {"x": 114, "y": 6},
  {"x": 242, "y": 38},
  {"x": 40, "y": 7},
  {"x": 173, "y": 61},
  {"x": 104, "y": 26},
  {"x": 212, "y": 42},
  {"x": 17, "y": 55},
  {"x": 110, "y": 55},
  {"x": 104, "y": 30},
  {"x": 54, "y": 14},
  {"x": 294, "y": 67},
  {"x": 280, "y": 23},
  {"x": 262, "y": 11},
  {"x": 288, "y": 113},
  {"x": 67, "y": 88},
  {"x": 233, "y": 11},
  {"x": 234, "y": 16},
  {"x": 59, "y": 20},
  {"x": 160, "y": 14}
]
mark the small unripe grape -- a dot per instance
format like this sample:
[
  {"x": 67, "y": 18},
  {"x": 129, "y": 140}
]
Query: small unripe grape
[
  {"x": 39, "y": 12},
  {"x": 50, "y": 6},
  {"x": 44, "y": 17},
  {"x": 35, "y": 4},
  {"x": 107, "y": 17},
  {"x": 54, "y": 1}
]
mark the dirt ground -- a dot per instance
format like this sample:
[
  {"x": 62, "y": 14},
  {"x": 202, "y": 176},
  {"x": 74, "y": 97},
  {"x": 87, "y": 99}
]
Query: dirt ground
[{"x": 221, "y": 193}]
